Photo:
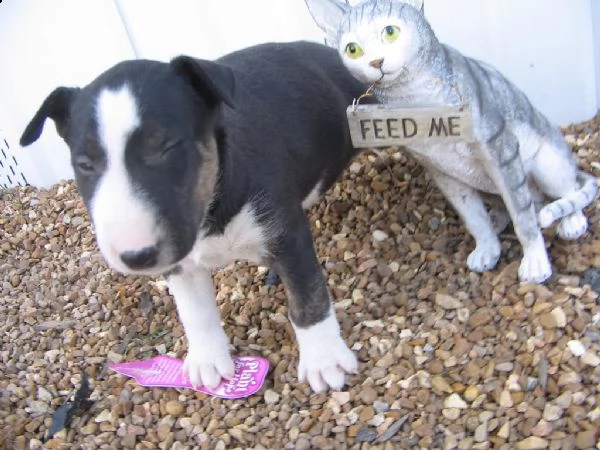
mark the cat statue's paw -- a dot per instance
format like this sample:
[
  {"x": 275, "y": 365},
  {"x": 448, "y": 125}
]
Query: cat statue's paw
[
  {"x": 535, "y": 266},
  {"x": 573, "y": 226},
  {"x": 484, "y": 257}
]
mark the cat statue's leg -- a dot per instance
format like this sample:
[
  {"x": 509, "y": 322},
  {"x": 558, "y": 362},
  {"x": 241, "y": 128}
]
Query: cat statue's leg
[
  {"x": 470, "y": 207},
  {"x": 555, "y": 172},
  {"x": 502, "y": 161}
]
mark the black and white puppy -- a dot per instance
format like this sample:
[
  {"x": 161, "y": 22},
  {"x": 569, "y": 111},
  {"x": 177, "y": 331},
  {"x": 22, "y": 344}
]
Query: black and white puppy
[{"x": 189, "y": 165}]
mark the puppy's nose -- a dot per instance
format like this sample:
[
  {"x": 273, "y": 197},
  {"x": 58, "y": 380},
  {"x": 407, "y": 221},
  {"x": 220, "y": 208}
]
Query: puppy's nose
[
  {"x": 377, "y": 63},
  {"x": 140, "y": 259}
]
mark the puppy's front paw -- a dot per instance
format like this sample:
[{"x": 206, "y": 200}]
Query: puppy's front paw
[
  {"x": 325, "y": 365},
  {"x": 206, "y": 366}
]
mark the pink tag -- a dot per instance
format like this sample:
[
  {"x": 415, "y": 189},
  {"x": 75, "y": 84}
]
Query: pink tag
[{"x": 166, "y": 371}]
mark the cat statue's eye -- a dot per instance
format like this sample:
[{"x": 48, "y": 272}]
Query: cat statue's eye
[
  {"x": 391, "y": 33},
  {"x": 353, "y": 50}
]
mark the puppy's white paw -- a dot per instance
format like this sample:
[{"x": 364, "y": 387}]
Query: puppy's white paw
[
  {"x": 325, "y": 366},
  {"x": 324, "y": 356},
  {"x": 207, "y": 365},
  {"x": 573, "y": 226},
  {"x": 535, "y": 266},
  {"x": 484, "y": 257}
]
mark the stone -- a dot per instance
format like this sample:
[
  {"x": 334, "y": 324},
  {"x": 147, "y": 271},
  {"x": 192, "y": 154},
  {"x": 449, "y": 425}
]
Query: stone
[
  {"x": 560, "y": 318},
  {"x": 541, "y": 429},
  {"x": 471, "y": 393},
  {"x": 271, "y": 397},
  {"x": 552, "y": 412},
  {"x": 455, "y": 401},
  {"x": 505, "y": 400},
  {"x": 341, "y": 397},
  {"x": 532, "y": 443},
  {"x": 175, "y": 408},
  {"x": 439, "y": 383},
  {"x": 451, "y": 413},
  {"x": 481, "y": 317},
  {"x": 576, "y": 347},
  {"x": 504, "y": 431},
  {"x": 481, "y": 433},
  {"x": 586, "y": 439},
  {"x": 379, "y": 236},
  {"x": 447, "y": 301},
  {"x": 590, "y": 359}
]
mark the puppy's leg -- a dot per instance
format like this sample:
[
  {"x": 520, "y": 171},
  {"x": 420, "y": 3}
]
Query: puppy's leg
[
  {"x": 324, "y": 356},
  {"x": 208, "y": 359}
]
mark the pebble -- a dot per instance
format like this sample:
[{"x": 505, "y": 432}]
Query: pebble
[
  {"x": 451, "y": 413},
  {"x": 379, "y": 236},
  {"x": 175, "y": 408},
  {"x": 560, "y": 318},
  {"x": 506, "y": 400},
  {"x": 590, "y": 359},
  {"x": 532, "y": 443},
  {"x": 447, "y": 301},
  {"x": 461, "y": 338},
  {"x": 576, "y": 347},
  {"x": 586, "y": 439},
  {"x": 541, "y": 429},
  {"x": 552, "y": 412},
  {"x": 504, "y": 431},
  {"x": 368, "y": 395},
  {"x": 455, "y": 401},
  {"x": 271, "y": 397},
  {"x": 471, "y": 393}
]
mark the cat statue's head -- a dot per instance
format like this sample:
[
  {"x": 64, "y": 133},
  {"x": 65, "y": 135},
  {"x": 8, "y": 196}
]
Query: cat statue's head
[{"x": 378, "y": 40}]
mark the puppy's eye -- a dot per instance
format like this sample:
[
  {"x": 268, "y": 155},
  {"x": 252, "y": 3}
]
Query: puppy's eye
[
  {"x": 169, "y": 148},
  {"x": 354, "y": 51},
  {"x": 391, "y": 33},
  {"x": 85, "y": 165}
]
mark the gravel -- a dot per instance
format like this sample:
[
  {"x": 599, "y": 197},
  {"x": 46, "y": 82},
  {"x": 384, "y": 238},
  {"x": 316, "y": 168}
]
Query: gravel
[{"x": 449, "y": 358}]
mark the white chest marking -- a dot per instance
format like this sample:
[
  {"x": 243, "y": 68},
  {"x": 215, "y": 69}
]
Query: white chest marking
[
  {"x": 313, "y": 196},
  {"x": 242, "y": 239},
  {"x": 122, "y": 218}
]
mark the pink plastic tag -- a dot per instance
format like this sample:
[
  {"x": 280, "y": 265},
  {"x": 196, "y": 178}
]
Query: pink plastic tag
[{"x": 166, "y": 371}]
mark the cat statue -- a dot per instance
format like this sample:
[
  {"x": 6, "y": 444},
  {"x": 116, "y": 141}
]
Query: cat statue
[{"x": 517, "y": 154}]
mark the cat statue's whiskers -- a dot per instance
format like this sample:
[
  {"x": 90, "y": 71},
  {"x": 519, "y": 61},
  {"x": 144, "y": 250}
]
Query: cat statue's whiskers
[{"x": 517, "y": 155}]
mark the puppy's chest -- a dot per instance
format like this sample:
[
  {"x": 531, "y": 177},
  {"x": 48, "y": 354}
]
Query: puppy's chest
[{"x": 242, "y": 239}]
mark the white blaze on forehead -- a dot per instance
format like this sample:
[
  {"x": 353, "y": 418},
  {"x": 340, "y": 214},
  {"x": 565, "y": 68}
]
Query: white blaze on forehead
[{"x": 124, "y": 221}]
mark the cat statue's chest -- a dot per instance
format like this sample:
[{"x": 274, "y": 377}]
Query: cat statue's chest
[{"x": 459, "y": 160}]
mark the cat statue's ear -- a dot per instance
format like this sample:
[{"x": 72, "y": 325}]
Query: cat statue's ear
[
  {"x": 417, "y": 4},
  {"x": 328, "y": 15}
]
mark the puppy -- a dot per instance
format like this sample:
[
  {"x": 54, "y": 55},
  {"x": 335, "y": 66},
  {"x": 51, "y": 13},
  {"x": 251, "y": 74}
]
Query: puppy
[{"x": 189, "y": 165}]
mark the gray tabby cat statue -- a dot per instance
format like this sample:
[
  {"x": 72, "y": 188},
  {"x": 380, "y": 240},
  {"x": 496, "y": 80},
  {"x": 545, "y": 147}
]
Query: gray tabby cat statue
[{"x": 517, "y": 154}]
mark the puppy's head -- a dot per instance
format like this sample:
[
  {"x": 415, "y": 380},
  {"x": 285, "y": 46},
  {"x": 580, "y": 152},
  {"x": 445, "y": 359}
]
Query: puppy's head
[{"x": 142, "y": 142}]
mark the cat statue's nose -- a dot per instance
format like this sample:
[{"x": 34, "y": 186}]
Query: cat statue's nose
[{"x": 377, "y": 63}]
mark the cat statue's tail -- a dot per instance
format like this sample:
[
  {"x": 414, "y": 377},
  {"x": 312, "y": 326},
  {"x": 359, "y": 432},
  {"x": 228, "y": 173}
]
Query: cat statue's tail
[{"x": 571, "y": 203}]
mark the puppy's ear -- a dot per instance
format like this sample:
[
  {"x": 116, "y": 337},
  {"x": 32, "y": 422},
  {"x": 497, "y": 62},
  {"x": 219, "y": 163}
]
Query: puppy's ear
[
  {"x": 57, "y": 107},
  {"x": 208, "y": 78}
]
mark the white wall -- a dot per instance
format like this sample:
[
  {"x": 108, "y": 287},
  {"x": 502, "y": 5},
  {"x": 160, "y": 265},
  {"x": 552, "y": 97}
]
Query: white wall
[
  {"x": 46, "y": 44},
  {"x": 547, "y": 47}
]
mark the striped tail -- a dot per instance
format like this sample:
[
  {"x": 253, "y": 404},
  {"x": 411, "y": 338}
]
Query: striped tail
[{"x": 572, "y": 202}]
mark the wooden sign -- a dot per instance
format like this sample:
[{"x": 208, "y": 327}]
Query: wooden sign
[{"x": 385, "y": 125}]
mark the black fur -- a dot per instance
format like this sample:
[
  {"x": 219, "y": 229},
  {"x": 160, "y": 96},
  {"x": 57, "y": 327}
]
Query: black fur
[{"x": 277, "y": 112}]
